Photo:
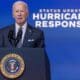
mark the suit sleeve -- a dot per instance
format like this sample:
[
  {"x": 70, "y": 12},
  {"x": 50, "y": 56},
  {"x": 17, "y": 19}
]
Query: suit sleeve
[
  {"x": 40, "y": 42},
  {"x": 1, "y": 39}
]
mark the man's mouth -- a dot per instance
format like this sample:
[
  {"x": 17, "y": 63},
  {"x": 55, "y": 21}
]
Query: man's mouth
[{"x": 19, "y": 18}]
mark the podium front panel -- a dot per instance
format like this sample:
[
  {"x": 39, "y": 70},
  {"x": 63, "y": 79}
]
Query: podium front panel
[{"x": 34, "y": 59}]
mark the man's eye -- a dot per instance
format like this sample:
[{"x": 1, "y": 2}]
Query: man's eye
[
  {"x": 17, "y": 11},
  {"x": 22, "y": 11}
]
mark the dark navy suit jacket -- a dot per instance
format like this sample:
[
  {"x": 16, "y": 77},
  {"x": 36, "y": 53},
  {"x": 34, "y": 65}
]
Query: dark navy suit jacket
[{"x": 33, "y": 37}]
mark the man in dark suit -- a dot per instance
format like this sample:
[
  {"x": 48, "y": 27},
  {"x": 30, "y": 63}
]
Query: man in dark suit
[{"x": 21, "y": 34}]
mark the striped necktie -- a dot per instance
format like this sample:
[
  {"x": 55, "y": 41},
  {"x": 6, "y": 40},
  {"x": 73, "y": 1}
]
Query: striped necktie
[{"x": 18, "y": 37}]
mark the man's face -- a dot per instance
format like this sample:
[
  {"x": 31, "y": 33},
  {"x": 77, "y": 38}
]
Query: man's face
[{"x": 20, "y": 13}]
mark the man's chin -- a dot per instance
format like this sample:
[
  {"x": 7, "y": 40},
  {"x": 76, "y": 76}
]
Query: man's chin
[{"x": 20, "y": 23}]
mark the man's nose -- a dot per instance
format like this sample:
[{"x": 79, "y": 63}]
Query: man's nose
[{"x": 19, "y": 13}]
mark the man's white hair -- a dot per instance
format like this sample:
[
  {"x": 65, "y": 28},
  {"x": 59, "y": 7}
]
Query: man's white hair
[{"x": 20, "y": 2}]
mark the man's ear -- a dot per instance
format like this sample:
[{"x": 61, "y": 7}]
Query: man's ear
[
  {"x": 27, "y": 13},
  {"x": 12, "y": 14}
]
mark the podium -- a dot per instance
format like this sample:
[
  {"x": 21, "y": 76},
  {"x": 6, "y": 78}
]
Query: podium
[{"x": 36, "y": 63}]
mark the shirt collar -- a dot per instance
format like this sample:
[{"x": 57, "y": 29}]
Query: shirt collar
[
  {"x": 18, "y": 26},
  {"x": 23, "y": 27}
]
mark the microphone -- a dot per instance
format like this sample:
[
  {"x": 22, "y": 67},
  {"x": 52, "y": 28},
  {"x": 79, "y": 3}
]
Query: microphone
[
  {"x": 14, "y": 40},
  {"x": 11, "y": 38}
]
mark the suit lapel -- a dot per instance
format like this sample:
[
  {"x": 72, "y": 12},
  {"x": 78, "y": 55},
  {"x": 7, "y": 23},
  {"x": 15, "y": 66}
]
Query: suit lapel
[{"x": 27, "y": 35}]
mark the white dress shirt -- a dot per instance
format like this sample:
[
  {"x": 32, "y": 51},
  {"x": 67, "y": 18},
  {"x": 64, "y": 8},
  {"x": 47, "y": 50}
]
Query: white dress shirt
[{"x": 23, "y": 33}]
